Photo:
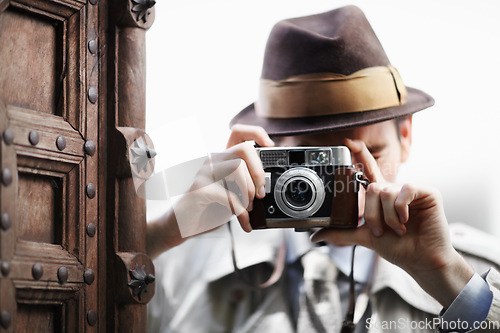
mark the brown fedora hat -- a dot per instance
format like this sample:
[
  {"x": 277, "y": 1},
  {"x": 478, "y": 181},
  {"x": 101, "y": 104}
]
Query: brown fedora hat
[{"x": 328, "y": 72}]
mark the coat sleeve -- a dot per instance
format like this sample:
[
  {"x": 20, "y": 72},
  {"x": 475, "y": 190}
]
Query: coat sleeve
[
  {"x": 481, "y": 251},
  {"x": 493, "y": 318},
  {"x": 492, "y": 321}
]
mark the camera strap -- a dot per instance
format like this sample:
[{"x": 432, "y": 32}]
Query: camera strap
[
  {"x": 361, "y": 179},
  {"x": 348, "y": 325},
  {"x": 276, "y": 274}
]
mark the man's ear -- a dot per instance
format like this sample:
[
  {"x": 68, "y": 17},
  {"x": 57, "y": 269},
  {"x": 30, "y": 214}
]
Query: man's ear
[{"x": 405, "y": 137}]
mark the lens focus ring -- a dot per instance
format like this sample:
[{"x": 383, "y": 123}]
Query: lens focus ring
[{"x": 299, "y": 192}]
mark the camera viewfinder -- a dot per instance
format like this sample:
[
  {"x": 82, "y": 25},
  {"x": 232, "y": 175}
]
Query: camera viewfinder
[{"x": 318, "y": 157}]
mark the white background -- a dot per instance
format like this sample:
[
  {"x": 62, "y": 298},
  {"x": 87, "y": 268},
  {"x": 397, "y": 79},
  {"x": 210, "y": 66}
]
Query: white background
[{"x": 204, "y": 60}]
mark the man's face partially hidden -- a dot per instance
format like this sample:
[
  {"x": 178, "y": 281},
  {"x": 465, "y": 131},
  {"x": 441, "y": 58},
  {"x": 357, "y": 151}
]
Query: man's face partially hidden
[{"x": 382, "y": 140}]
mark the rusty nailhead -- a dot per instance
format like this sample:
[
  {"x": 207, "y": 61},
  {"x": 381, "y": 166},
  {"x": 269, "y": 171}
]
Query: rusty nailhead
[{"x": 34, "y": 138}]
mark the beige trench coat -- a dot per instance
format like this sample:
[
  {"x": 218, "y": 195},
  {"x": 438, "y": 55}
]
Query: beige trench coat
[{"x": 196, "y": 291}]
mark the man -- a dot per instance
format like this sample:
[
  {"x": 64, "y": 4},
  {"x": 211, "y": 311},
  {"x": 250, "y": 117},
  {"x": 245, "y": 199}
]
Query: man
[{"x": 327, "y": 81}]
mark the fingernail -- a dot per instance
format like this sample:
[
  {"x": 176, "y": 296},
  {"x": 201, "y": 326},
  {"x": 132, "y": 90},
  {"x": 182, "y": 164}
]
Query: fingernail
[
  {"x": 353, "y": 144},
  {"x": 314, "y": 238},
  {"x": 250, "y": 206},
  {"x": 262, "y": 192},
  {"x": 400, "y": 232},
  {"x": 270, "y": 142}
]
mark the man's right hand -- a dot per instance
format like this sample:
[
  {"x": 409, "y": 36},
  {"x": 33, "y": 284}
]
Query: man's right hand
[
  {"x": 225, "y": 184},
  {"x": 240, "y": 146}
]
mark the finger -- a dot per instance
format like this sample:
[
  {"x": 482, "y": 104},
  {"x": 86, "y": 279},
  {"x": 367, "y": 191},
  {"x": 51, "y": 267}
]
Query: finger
[
  {"x": 388, "y": 197},
  {"x": 405, "y": 197},
  {"x": 223, "y": 164},
  {"x": 373, "y": 211},
  {"x": 231, "y": 200},
  {"x": 240, "y": 211},
  {"x": 251, "y": 191},
  {"x": 243, "y": 170},
  {"x": 240, "y": 183},
  {"x": 362, "y": 155},
  {"x": 241, "y": 133},
  {"x": 420, "y": 197},
  {"x": 244, "y": 220},
  {"x": 343, "y": 237},
  {"x": 249, "y": 155},
  {"x": 232, "y": 174}
]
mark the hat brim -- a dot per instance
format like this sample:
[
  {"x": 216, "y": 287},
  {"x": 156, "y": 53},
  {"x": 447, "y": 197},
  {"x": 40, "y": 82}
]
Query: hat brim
[{"x": 416, "y": 100}]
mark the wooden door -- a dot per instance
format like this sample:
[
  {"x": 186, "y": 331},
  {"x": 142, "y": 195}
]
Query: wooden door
[{"x": 67, "y": 258}]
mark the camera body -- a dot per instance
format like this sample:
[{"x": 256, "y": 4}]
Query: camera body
[{"x": 307, "y": 187}]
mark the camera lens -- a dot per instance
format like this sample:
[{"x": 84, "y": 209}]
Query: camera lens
[{"x": 298, "y": 194}]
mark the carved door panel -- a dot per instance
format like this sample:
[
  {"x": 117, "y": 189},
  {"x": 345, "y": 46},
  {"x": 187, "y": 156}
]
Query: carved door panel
[
  {"x": 49, "y": 199},
  {"x": 72, "y": 229}
]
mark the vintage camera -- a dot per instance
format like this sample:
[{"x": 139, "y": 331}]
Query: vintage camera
[{"x": 307, "y": 187}]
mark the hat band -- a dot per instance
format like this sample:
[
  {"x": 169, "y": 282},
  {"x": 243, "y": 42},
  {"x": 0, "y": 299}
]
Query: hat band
[{"x": 322, "y": 94}]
